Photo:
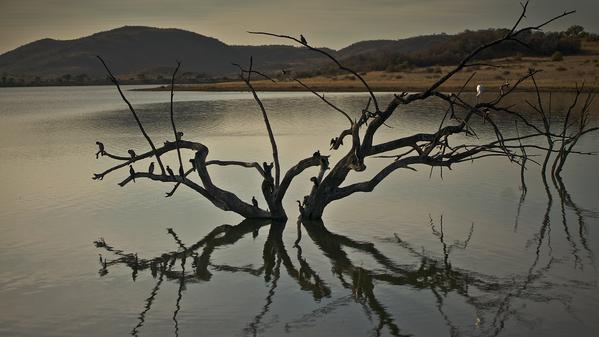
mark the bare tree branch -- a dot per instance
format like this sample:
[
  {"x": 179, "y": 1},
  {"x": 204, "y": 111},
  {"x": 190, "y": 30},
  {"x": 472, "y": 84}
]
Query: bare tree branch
[{"x": 141, "y": 128}]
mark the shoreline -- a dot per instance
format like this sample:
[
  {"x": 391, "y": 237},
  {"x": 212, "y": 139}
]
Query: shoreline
[
  {"x": 241, "y": 87},
  {"x": 566, "y": 75}
]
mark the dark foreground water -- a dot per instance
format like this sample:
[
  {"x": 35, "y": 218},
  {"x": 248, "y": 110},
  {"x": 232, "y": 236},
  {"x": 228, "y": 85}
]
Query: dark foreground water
[{"x": 420, "y": 255}]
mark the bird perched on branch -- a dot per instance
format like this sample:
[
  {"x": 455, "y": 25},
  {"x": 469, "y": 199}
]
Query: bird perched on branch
[
  {"x": 131, "y": 153},
  {"x": 301, "y": 208},
  {"x": 151, "y": 168},
  {"x": 480, "y": 89},
  {"x": 179, "y": 135},
  {"x": 267, "y": 169},
  {"x": 334, "y": 141},
  {"x": 132, "y": 172},
  {"x": 254, "y": 201},
  {"x": 100, "y": 149},
  {"x": 193, "y": 164},
  {"x": 504, "y": 86},
  {"x": 316, "y": 154},
  {"x": 170, "y": 171},
  {"x": 303, "y": 39},
  {"x": 315, "y": 181}
]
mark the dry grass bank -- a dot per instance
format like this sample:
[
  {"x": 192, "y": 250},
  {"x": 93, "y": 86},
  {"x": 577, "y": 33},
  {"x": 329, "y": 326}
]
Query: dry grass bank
[{"x": 555, "y": 76}]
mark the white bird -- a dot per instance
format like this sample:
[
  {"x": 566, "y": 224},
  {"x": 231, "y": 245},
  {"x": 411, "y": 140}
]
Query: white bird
[{"x": 479, "y": 91}]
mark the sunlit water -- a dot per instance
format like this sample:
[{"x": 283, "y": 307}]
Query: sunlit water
[{"x": 420, "y": 255}]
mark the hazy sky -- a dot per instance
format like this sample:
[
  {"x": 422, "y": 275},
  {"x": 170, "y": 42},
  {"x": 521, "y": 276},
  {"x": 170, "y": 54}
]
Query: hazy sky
[{"x": 332, "y": 23}]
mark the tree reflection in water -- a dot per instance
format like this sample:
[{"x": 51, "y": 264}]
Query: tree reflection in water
[{"x": 493, "y": 299}]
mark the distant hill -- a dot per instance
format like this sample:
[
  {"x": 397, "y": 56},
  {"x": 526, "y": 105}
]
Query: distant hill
[
  {"x": 146, "y": 54},
  {"x": 402, "y": 46},
  {"x": 133, "y": 50},
  {"x": 444, "y": 49}
]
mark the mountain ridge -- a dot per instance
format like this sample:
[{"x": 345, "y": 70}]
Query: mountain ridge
[{"x": 141, "y": 53}]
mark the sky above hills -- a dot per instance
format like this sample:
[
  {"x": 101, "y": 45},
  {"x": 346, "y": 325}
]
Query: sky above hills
[{"x": 331, "y": 23}]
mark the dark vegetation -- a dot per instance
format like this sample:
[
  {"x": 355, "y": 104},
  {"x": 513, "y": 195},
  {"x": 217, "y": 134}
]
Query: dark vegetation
[
  {"x": 450, "y": 49},
  {"x": 143, "y": 55}
]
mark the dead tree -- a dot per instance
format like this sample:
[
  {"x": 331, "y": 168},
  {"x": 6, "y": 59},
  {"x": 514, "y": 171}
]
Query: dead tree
[{"x": 433, "y": 149}]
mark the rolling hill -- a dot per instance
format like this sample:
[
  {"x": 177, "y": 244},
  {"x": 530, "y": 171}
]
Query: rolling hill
[
  {"x": 147, "y": 54},
  {"x": 133, "y": 50}
]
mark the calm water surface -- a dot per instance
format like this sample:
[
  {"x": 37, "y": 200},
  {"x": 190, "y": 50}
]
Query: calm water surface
[{"x": 420, "y": 255}]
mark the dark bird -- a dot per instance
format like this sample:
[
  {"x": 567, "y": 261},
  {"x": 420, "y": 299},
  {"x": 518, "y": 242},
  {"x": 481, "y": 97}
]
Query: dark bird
[
  {"x": 170, "y": 171},
  {"x": 334, "y": 141},
  {"x": 100, "y": 149},
  {"x": 301, "y": 208},
  {"x": 316, "y": 154},
  {"x": 193, "y": 164},
  {"x": 181, "y": 172},
  {"x": 254, "y": 201},
  {"x": 179, "y": 135},
  {"x": 324, "y": 162},
  {"x": 315, "y": 181},
  {"x": 485, "y": 113},
  {"x": 132, "y": 172},
  {"x": 267, "y": 168},
  {"x": 131, "y": 153},
  {"x": 303, "y": 39},
  {"x": 151, "y": 168},
  {"x": 504, "y": 87}
]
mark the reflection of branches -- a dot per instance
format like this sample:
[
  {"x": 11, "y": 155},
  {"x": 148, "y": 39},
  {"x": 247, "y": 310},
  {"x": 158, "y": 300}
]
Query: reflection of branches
[
  {"x": 453, "y": 330},
  {"x": 307, "y": 279},
  {"x": 318, "y": 313},
  {"x": 255, "y": 324},
  {"x": 179, "y": 297},
  {"x": 148, "y": 305},
  {"x": 362, "y": 280},
  {"x": 491, "y": 297},
  {"x": 441, "y": 235},
  {"x": 162, "y": 265},
  {"x": 566, "y": 201},
  {"x": 503, "y": 309}
]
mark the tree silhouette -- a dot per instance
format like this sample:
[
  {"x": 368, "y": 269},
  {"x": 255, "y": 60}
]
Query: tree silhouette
[{"x": 442, "y": 147}]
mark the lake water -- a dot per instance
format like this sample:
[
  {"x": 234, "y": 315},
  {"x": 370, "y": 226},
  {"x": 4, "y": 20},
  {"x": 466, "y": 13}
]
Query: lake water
[{"x": 420, "y": 255}]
